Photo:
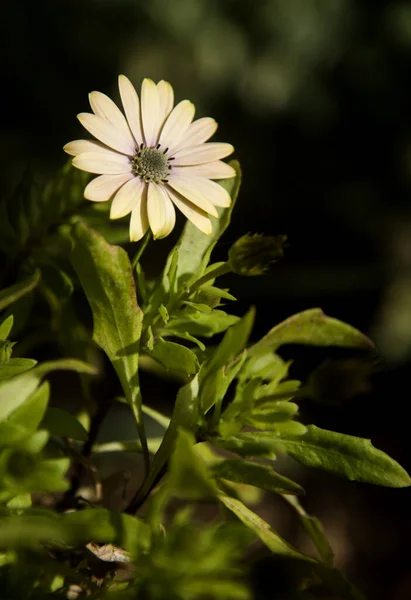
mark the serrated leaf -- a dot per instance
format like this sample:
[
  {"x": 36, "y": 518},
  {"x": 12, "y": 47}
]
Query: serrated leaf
[
  {"x": 261, "y": 476},
  {"x": 18, "y": 290},
  {"x": 315, "y": 328},
  {"x": 194, "y": 248},
  {"x": 346, "y": 455},
  {"x": 60, "y": 422},
  {"x": 175, "y": 357},
  {"x": 106, "y": 276}
]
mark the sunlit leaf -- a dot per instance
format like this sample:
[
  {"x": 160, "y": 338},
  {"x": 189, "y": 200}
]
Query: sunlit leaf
[
  {"x": 107, "y": 278},
  {"x": 346, "y": 455},
  {"x": 315, "y": 328}
]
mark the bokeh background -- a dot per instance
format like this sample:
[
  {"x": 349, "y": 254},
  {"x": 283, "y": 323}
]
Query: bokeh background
[{"x": 316, "y": 97}]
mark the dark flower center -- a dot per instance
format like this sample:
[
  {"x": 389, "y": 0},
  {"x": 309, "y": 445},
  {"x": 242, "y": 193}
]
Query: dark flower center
[{"x": 151, "y": 164}]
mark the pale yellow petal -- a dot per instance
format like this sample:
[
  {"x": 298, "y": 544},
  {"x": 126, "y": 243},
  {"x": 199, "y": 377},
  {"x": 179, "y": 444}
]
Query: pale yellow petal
[
  {"x": 102, "y": 163},
  {"x": 194, "y": 214},
  {"x": 185, "y": 187},
  {"x": 161, "y": 213},
  {"x": 176, "y": 125},
  {"x": 213, "y": 170},
  {"x": 105, "y": 132},
  {"x": 197, "y": 133},
  {"x": 105, "y": 108},
  {"x": 127, "y": 198},
  {"x": 202, "y": 154},
  {"x": 131, "y": 105},
  {"x": 139, "y": 218},
  {"x": 102, "y": 188},
  {"x": 150, "y": 112},
  {"x": 210, "y": 190},
  {"x": 166, "y": 98},
  {"x": 80, "y": 146}
]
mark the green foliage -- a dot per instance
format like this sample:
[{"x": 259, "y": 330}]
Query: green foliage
[
  {"x": 233, "y": 396},
  {"x": 346, "y": 455}
]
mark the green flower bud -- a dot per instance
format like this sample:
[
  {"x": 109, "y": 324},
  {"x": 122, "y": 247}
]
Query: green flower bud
[{"x": 253, "y": 254}]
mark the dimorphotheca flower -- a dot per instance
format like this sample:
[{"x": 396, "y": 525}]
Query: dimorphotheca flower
[{"x": 152, "y": 160}]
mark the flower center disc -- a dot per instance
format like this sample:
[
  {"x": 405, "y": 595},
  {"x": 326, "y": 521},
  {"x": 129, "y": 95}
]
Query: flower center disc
[{"x": 150, "y": 164}]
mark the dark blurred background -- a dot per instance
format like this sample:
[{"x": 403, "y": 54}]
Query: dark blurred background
[{"x": 315, "y": 95}]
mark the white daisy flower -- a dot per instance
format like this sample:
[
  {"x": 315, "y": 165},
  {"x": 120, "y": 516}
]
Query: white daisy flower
[{"x": 153, "y": 159}]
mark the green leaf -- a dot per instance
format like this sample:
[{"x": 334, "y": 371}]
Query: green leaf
[
  {"x": 189, "y": 477},
  {"x": 6, "y": 327},
  {"x": 262, "y": 529},
  {"x": 260, "y": 476},
  {"x": 26, "y": 419},
  {"x": 18, "y": 290},
  {"x": 233, "y": 342},
  {"x": 73, "y": 529},
  {"x": 194, "y": 248},
  {"x": 14, "y": 392},
  {"x": 60, "y": 422},
  {"x": 346, "y": 455},
  {"x": 198, "y": 323},
  {"x": 312, "y": 327},
  {"x": 315, "y": 530},
  {"x": 15, "y": 366},
  {"x": 215, "y": 386},
  {"x": 106, "y": 276},
  {"x": 185, "y": 416},
  {"x": 249, "y": 444},
  {"x": 175, "y": 357}
]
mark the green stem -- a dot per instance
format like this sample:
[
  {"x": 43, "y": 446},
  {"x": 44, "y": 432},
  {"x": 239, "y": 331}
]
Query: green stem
[
  {"x": 212, "y": 274},
  {"x": 141, "y": 248}
]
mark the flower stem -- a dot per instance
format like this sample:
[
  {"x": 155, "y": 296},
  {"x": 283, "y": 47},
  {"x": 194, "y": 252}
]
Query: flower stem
[
  {"x": 141, "y": 249},
  {"x": 212, "y": 274}
]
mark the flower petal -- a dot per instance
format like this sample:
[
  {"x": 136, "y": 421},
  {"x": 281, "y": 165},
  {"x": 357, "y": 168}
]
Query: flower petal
[
  {"x": 210, "y": 190},
  {"x": 166, "y": 98},
  {"x": 161, "y": 213},
  {"x": 150, "y": 111},
  {"x": 102, "y": 163},
  {"x": 197, "y": 216},
  {"x": 139, "y": 218},
  {"x": 105, "y": 108},
  {"x": 80, "y": 146},
  {"x": 186, "y": 187},
  {"x": 107, "y": 133},
  {"x": 102, "y": 188},
  {"x": 131, "y": 105},
  {"x": 126, "y": 198},
  {"x": 213, "y": 170},
  {"x": 196, "y": 155},
  {"x": 197, "y": 133},
  {"x": 177, "y": 124}
]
